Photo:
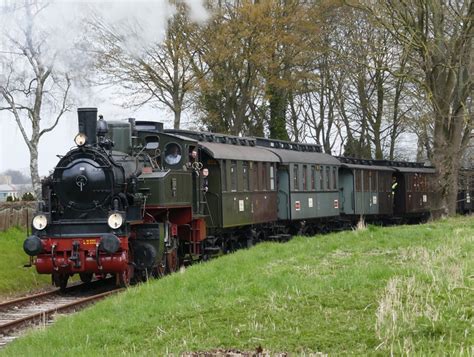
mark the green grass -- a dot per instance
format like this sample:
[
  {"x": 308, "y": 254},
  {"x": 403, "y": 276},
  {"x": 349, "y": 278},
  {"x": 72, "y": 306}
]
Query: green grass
[
  {"x": 14, "y": 278},
  {"x": 401, "y": 290}
]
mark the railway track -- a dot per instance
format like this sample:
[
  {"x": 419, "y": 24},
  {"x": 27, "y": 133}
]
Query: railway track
[{"x": 39, "y": 309}]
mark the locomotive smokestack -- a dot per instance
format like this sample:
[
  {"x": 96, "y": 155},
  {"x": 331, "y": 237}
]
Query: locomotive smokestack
[{"x": 87, "y": 118}]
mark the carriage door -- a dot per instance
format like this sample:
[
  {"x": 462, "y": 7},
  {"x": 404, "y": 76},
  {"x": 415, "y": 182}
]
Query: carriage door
[
  {"x": 399, "y": 194},
  {"x": 346, "y": 191},
  {"x": 283, "y": 193}
]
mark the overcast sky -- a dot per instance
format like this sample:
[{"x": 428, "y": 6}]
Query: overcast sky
[{"x": 61, "y": 20}]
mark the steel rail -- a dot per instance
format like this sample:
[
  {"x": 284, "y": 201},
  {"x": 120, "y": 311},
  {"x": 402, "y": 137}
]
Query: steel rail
[
  {"x": 30, "y": 298},
  {"x": 27, "y": 299},
  {"x": 46, "y": 314}
]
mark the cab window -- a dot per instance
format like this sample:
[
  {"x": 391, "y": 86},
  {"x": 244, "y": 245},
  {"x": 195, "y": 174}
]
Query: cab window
[{"x": 172, "y": 154}]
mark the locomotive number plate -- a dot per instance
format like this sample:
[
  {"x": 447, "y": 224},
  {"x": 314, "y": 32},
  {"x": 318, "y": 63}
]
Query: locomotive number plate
[{"x": 89, "y": 241}]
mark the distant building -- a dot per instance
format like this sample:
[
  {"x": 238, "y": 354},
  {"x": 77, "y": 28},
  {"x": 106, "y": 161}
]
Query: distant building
[
  {"x": 5, "y": 180},
  {"x": 8, "y": 190}
]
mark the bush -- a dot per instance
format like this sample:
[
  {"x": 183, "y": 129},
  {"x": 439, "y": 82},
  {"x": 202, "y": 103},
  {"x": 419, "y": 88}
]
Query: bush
[
  {"x": 28, "y": 196},
  {"x": 10, "y": 199}
]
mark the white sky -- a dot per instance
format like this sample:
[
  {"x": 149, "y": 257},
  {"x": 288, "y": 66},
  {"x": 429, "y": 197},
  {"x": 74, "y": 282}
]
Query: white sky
[{"x": 62, "y": 21}]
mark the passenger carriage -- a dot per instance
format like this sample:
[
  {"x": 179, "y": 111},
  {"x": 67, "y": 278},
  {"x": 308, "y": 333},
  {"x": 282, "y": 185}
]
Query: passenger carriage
[{"x": 365, "y": 189}]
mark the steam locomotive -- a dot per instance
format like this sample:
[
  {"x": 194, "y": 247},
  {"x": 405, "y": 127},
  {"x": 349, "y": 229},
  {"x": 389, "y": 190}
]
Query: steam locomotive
[{"x": 135, "y": 200}]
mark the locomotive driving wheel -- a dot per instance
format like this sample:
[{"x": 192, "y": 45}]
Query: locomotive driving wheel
[
  {"x": 60, "y": 280},
  {"x": 124, "y": 278},
  {"x": 172, "y": 258},
  {"x": 86, "y": 278},
  {"x": 160, "y": 270}
]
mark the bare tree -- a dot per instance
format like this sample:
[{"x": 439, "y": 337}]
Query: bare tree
[
  {"x": 30, "y": 85},
  {"x": 158, "y": 73}
]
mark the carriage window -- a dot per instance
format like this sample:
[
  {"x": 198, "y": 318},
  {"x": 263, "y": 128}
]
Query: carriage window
[
  {"x": 366, "y": 180},
  {"x": 421, "y": 183},
  {"x": 383, "y": 181},
  {"x": 373, "y": 182},
  {"x": 358, "y": 182},
  {"x": 410, "y": 182},
  {"x": 224, "y": 175},
  {"x": 305, "y": 178},
  {"x": 272, "y": 177},
  {"x": 264, "y": 176},
  {"x": 313, "y": 178},
  {"x": 295, "y": 178},
  {"x": 334, "y": 178},
  {"x": 172, "y": 154},
  {"x": 321, "y": 178},
  {"x": 328, "y": 178},
  {"x": 245, "y": 175},
  {"x": 254, "y": 167},
  {"x": 233, "y": 175}
]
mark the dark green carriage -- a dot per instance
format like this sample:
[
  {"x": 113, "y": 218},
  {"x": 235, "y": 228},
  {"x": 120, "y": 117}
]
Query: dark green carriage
[
  {"x": 241, "y": 183},
  {"x": 307, "y": 180},
  {"x": 365, "y": 188}
]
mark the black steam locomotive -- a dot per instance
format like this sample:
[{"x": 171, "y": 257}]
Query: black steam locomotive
[{"x": 135, "y": 200}]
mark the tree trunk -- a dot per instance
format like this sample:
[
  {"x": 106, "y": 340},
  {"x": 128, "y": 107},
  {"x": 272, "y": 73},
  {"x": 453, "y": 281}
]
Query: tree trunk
[
  {"x": 35, "y": 178},
  {"x": 448, "y": 165},
  {"x": 177, "y": 117}
]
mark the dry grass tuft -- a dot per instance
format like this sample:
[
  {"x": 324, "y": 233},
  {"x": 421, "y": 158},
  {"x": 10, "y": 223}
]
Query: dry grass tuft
[
  {"x": 408, "y": 302},
  {"x": 361, "y": 226}
]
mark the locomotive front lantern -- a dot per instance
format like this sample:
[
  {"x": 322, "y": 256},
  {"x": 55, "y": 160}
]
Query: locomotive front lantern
[
  {"x": 80, "y": 139},
  {"x": 115, "y": 220},
  {"x": 40, "y": 222},
  {"x": 33, "y": 246}
]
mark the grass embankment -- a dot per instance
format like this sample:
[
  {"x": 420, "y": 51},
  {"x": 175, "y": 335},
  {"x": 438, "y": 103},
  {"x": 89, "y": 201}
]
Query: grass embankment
[
  {"x": 400, "y": 289},
  {"x": 14, "y": 278}
]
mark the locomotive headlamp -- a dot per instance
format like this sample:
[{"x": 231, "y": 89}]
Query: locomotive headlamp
[
  {"x": 109, "y": 243},
  {"x": 115, "y": 220},
  {"x": 40, "y": 222},
  {"x": 80, "y": 139},
  {"x": 32, "y": 245}
]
